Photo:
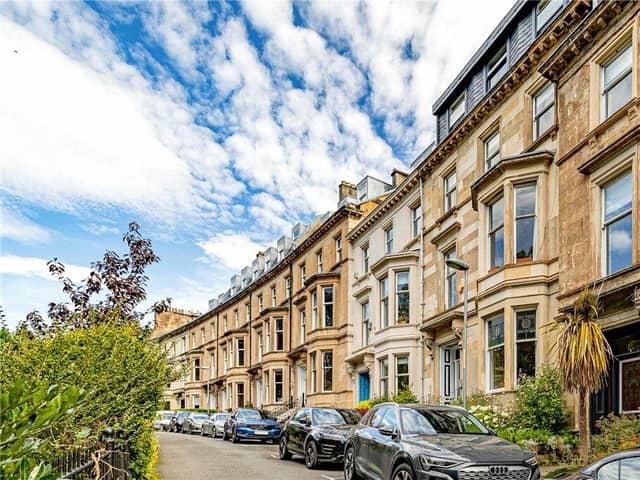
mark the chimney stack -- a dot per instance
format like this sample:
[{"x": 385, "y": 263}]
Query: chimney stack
[
  {"x": 397, "y": 177},
  {"x": 346, "y": 189}
]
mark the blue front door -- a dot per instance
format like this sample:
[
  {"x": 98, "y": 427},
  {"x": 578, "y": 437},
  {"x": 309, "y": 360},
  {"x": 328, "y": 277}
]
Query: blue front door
[{"x": 364, "y": 386}]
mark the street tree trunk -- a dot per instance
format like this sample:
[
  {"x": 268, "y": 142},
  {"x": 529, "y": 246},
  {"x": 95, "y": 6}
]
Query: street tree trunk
[{"x": 583, "y": 425}]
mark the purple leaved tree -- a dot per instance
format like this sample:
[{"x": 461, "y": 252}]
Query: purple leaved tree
[{"x": 112, "y": 292}]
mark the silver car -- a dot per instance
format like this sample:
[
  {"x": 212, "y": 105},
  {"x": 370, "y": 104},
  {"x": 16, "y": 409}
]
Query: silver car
[
  {"x": 193, "y": 423},
  {"x": 162, "y": 420},
  {"x": 214, "y": 426}
]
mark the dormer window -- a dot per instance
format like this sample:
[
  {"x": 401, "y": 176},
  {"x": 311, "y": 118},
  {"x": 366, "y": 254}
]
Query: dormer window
[
  {"x": 457, "y": 110},
  {"x": 545, "y": 10},
  {"x": 362, "y": 192},
  {"x": 268, "y": 264},
  {"x": 497, "y": 67}
]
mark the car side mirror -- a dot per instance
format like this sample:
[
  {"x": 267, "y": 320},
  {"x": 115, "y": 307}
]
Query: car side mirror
[
  {"x": 389, "y": 432},
  {"x": 493, "y": 432},
  {"x": 307, "y": 422}
]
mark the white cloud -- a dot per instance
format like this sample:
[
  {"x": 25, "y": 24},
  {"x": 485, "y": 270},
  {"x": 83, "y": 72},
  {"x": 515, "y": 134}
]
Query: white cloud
[
  {"x": 98, "y": 230},
  {"x": 234, "y": 251},
  {"x": 37, "y": 267},
  {"x": 17, "y": 227}
]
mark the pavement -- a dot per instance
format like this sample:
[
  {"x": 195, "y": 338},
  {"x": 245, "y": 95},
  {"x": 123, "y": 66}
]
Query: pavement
[{"x": 192, "y": 457}]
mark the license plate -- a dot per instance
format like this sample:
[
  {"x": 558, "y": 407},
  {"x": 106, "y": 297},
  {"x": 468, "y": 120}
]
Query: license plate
[{"x": 261, "y": 432}]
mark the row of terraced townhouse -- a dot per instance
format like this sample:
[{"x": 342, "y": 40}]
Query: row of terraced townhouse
[{"x": 533, "y": 181}]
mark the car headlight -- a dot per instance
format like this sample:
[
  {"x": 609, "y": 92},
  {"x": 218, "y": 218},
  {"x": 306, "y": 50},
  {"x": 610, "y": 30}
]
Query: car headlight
[
  {"x": 532, "y": 462},
  {"x": 332, "y": 436},
  {"x": 428, "y": 461}
]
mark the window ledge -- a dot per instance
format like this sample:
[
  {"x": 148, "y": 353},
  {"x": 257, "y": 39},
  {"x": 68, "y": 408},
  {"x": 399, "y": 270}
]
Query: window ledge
[{"x": 551, "y": 132}]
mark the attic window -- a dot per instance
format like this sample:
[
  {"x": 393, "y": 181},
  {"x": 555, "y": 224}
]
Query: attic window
[
  {"x": 497, "y": 67},
  {"x": 457, "y": 110},
  {"x": 545, "y": 10}
]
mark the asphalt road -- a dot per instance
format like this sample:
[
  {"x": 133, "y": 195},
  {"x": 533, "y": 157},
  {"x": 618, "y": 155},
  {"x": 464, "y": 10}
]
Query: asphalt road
[{"x": 192, "y": 457}]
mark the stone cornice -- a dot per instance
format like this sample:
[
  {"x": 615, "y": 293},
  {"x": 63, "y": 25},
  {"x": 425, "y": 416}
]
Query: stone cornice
[
  {"x": 588, "y": 31},
  {"x": 620, "y": 143},
  {"x": 453, "y": 228},
  {"x": 318, "y": 277},
  {"x": 411, "y": 255}
]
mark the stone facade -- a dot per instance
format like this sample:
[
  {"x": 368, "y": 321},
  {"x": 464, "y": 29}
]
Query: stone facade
[{"x": 535, "y": 185}]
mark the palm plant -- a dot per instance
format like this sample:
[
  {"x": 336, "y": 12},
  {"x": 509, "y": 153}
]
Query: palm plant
[{"x": 583, "y": 357}]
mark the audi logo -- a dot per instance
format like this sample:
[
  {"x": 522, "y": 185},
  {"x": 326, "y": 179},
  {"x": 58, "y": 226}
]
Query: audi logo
[{"x": 498, "y": 469}]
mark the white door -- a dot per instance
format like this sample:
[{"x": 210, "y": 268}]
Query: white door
[
  {"x": 449, "y": 373},
  {"x": 302, "y": 383},
  {"x": 258, "y": 393}
]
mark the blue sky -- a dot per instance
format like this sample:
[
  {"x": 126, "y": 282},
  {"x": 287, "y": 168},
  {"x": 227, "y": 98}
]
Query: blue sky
[{"x": 216, "y": 126}]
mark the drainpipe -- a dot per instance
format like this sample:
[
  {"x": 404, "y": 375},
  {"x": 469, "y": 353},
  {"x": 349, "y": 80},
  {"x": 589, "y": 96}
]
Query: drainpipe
[
  {"x": 421, "y": 269},
  {"x": 290, "y": 329},
  {"x": 248, "y": 347}
]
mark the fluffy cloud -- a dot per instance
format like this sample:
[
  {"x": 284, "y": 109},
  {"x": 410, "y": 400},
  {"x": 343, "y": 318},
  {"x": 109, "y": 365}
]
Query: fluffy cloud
[
  {"x": 37, "y": 267},
  {"x": 17, "y": 227},
  {"x": 233, "y": 251}
]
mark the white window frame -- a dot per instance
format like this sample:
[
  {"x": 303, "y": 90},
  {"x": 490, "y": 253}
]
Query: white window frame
[
  {"x": 225, "y": 361},
  {"x": 365, "y": 315},
  {"x": 450, "y": 182},
  {"x": 450, "y": 276},
  {"x": 314, "y": 310},
  {"x": 303, "y": 273},
  {"x": 404, "y": 375},
  {"x": 238, "y": 350},
  {"x": 319, "y": 261},
  {"x": 495, "y": 64},
  {"x": 384, "y": 302},
  {"x": 232, "y": 358},
  {"x": 339, "y": 249},
  {"x": 313, "y": 360},
  {"x": 328, "y": 306},
  {"x": 491, "y": 159},
  {"x": 548, "y": 8},
  {"x": 527, "y": 340},
  {"x": 606, "y": 223},
  {"x": 384, "y": 379},
  {"x": 260, "y": 346},
  {"x": 365, "y": 258},
  {"x": 517, "y": 217},
  {"x": 325, "y": 368},
  {"x": 236, "y": 318},
  {"x": 493, "y": 231},
  {"x": 544, "y": 108},
  {"x": 273, "y": 296},
  {"x": 275, "y": 384},
  {"x": 247, "y": 308},
  {"x": 458, "y": 109},
  {"x": 388, "y": 239},
  {"x": 278, "y": 332},
  {"x": 604, "y": 89},
  {"x": 303, "y": 325},
  {"x": 399, "y": 292},
  {"x": 488, "y": 350},
  {"x": 267, "y": 336},
  {"x": 622, "y": 362},
  {"x": 267, "y": 385},
  {"x": 416, "y": 220},
  {"x": 287, "y": 286}
]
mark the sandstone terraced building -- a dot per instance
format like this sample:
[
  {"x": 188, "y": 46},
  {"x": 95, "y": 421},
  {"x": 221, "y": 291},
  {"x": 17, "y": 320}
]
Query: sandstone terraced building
[{"x": 533, "y": 180}]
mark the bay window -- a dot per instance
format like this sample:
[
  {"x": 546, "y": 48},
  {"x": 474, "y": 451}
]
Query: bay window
[
  {"x": 402, "y": 373},
  {"x": 260, "y": 346},
  {"x": 402, "y": 298},
  {"x": 384, "y": 302},
  {"x": 384, "y": 377},
  {"x": 314, "y": 310},
  {"x": 267, "y": 329},
  {"x": 496, "y": 233},
  {"x": 279, "y": 334},
  {"x": 495, "y": 352},
  {"x": 327, "y": 371},
  {"x": 450, "y": 281},
  {"x": 526, "y": 343},
  {"x": 327, "y": 306},
  {"x": 314, "y": 371},
  {"x": 525, "y": 220},
  {"x": 303, "y": 325},
  {"x": 240, "y": 352},
  {"x": 366, "y": 324},
  {"x": 278, "y": 384}
]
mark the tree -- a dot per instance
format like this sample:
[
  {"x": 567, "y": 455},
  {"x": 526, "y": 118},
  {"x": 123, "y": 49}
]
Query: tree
[{"x": 583, "y": 357}]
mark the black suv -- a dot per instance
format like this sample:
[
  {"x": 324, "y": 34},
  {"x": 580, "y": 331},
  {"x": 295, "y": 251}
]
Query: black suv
[
  {"x": 419, "y": 442},
  {"x": 319, "y": 434}
]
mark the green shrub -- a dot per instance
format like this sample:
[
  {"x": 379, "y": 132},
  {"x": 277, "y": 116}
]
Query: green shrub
[
  {"x": 616, "y": 433},
  {"x": 539, "y": 401},
  {"x": 405, "y": 396},
  {"x": 493, "y": 416},
  {"x": 25, "y": 417}
]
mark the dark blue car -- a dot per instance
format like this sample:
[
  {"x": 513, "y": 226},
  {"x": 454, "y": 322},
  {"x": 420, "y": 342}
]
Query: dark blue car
[{"x": 250, "y": 424}]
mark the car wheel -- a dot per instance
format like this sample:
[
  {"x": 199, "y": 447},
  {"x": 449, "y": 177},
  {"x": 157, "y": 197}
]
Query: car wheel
[
  {"x": 285, "y": 454},
  {"x": 350, "y": 471},
  {"x": 234, "y": 437},
  {"x": 403, "y": 472},
  {"x": 311, "y": 454},
  {"x": 225, "y": 437}
]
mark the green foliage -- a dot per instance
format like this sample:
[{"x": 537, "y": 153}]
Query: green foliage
[
  {"x": 405, "y": 396},
  {"x": 539, "y": 401},
  {"x": 616, "y": 433},
  {"x": 25, "y": 417},
  {"x": 123, "y": 371},
  {"x": 493, "y": 416}
]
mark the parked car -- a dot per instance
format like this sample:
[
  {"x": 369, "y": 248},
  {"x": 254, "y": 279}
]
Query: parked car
[
  {"x": 193, "y": 422},
  {"x": 318, "y": 434},
  {"x": 623, "y": 465},
  {"x": 162, "y": 420},
  {"x": 415, "y": 442},
  {"x": 214, "y": 425},
  {"x": 249, "y": 423},
  {"x": 175, "y": 424}
]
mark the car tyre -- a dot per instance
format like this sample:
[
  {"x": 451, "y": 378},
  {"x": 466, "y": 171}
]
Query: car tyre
[
  {"x": 350, "y": 470},
  {"x": 284, "y": 452},
  {"x": 311, "y": 455},
  {"x": 234, "y": 437},
  {"x": 225, "y": 437},
  {"x": 403, "y": 472}
]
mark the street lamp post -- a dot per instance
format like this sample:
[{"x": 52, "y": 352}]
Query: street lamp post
[{"x": 462, "y": 266}]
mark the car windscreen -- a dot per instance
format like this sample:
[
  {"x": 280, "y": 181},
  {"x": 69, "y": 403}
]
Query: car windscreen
[
  {"x": 351, "y": 416},
  {"x": 199, "y": 417},
  {"x": 221, "y": 417},
  {"x": 453, "y": 422},
  {"x": 249, "y": 415},
  {"x": 327, "y": 416},
  {"x": 166, "y": 416}
]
